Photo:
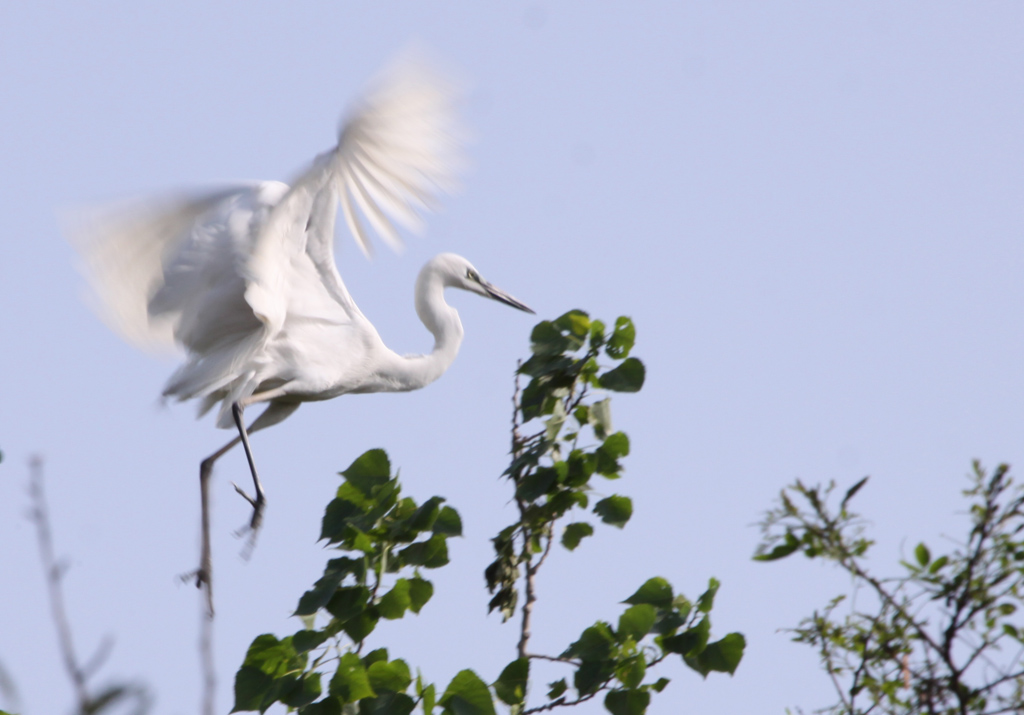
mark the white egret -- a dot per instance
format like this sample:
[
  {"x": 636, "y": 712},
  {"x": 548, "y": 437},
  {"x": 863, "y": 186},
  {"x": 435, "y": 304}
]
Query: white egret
[{"x": 245, "y": 279}]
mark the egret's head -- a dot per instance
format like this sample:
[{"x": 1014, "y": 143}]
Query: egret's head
[{"x": 457, "y": 272}]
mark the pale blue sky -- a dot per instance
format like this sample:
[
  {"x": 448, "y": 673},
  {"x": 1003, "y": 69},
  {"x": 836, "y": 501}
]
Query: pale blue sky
[{"x": 812, "y": 211}]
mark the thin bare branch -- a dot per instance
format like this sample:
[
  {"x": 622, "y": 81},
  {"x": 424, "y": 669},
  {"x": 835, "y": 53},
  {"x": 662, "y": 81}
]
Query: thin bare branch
[
  {"x": 562, "y": 703},
  {"x": 54, "y": 570},
  {"x": 40, "y": 516}
]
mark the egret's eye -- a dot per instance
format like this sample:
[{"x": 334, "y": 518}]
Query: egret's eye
[{"x": 472, "y": 275}]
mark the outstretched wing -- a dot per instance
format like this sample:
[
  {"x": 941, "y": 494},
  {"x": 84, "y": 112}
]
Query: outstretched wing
[
  {"x": 395, "y": 153},
  {"x": 124, "y": 251}
]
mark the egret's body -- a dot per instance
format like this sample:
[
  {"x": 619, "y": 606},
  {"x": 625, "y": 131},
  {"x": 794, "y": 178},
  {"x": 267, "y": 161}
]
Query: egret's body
[{"x": 245, "y": 279}]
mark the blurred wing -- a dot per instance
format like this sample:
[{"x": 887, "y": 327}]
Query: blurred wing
[
  {"x": 397, "y": 151},
  {"x": 124, "y": 250},
  {"x": 395, "y": 154}
]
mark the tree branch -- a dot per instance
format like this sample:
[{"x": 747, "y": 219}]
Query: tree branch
[
  {"x": 40, "y": 516},
  {"x": 563, "y": 703}
]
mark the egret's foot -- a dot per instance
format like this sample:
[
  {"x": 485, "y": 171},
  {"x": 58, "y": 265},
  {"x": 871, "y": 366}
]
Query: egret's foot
[
  {"x": 201, "y": 578},
  {"x": 253, "y": 527}
]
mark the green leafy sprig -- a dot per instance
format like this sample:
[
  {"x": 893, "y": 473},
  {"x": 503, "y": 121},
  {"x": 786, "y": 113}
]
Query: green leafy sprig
[
  {"x": 387, "y": 540},
  {"x": 945, "y": 635},
  {"x": 576, "y": 361}
]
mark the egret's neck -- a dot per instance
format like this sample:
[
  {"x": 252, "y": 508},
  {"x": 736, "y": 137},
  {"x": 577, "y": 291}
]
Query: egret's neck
[{"x": 412, "y": 372}]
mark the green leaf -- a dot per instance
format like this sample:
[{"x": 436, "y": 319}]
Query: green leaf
[
  {"x": 788, "y": 545},
  {"x": 557, "y": 689},
  {"x": 707, "y": 599},
  {"x": 511, "y": 684},
  {"x": 429, "y": 698},
  {"x": 554, "y": 424},
  {"x": 591, "y": 675},
  {"x": 691, "y": 641},
  {"x": 851, "y": 492},
  {"x": 562, "y": 501},
  {"x": 922, "y": 555},
  {"x": 348, "y": 602},
  {"x": 301, "y": 691},
  {"x": 547, "y": 339},
  {"x": 622, "y": 339},
  {"x": 430, "y": 554},
  {"x": 673, "y": 618},
  {"x": 655, "y": 591},
  {"x": 615, "y": 510},
  {"x": 393, "y": 676},
  {"x": 616, "y": 445},
  {"x": 380, "y": 655},
  {"x": 272, "y": 656},
  {"x": 322, "y": 591},
  {"x": 448, "y": 522},
  {"x": 395, "y": 602},
  {"x": 627, "y": 377},
  {"x": 660, "y": 684},
  {"x": 595, "y": 643},
  {"x": 467, "y": 695},
  {"x": 938, "y": 564},
  {"x": 627, "y": 702},
  {"x": 306, "y": 640},
  {"x": 574, "y": 533},
  {"x": 420, "y": 591},
  {"x": 426, "y": 514},
  {"x": 531, "y": 404},
  {"x": 631, "y": 673},
  {"x": 252, "y": 690},
  {"x": 350, "y": 682},
  {"x": 266, "y": 672},
  {"x": 600, "y": 417},
  {"x": 371, "y": 469},
  {"x": 387, "y": 703},
  {"x": 546, "y": 364},
  {"x": 327, "y": 706},
  {"x": 722, "y": 656},
  {"x": 637, "y": 621},
  {"x": 362, "y": 625},
  {"x": 535, "y": 484},
  {"x": 350, "y": 493},
  {"x": 339, "y": 517},
  {"x": 578, "y": 468},
  {"x": 575, "y": 323}
]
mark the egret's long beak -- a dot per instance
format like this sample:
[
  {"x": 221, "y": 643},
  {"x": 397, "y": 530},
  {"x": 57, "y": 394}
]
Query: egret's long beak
[{"x": 499, "y": 294}]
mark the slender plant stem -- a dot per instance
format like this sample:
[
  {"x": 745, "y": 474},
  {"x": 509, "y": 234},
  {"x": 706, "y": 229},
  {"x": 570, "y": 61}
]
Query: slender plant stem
[{"x": 54, "y": 574}]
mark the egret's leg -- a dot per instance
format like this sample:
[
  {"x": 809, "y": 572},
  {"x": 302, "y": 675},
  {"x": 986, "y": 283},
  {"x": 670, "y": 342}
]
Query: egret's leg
[
  {"x": 260, "y": 500},
  {"x": 275, "y": 412},
  {"x": 205, "y": 572}
]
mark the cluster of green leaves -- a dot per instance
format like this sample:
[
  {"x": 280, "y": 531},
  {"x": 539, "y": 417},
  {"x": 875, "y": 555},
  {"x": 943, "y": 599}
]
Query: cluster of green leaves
[
  {"x": 552, "y": 468},
  {"x": 552, "y": 471},
  {"x": 944, "y": 635},
  {"x": 387, "y": 540},
  {"x": 615, "y": 659}
]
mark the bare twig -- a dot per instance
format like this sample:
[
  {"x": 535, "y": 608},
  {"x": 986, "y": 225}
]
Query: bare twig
[
  {"x": 40, "y": 516},
  {"x": 560, "y": 703},
  {"x": 517, "y": 440},
  {"x": 54, "y": 571},
  {"x": 553, "y": 659},
  {"x": 531, "y": 582}
]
